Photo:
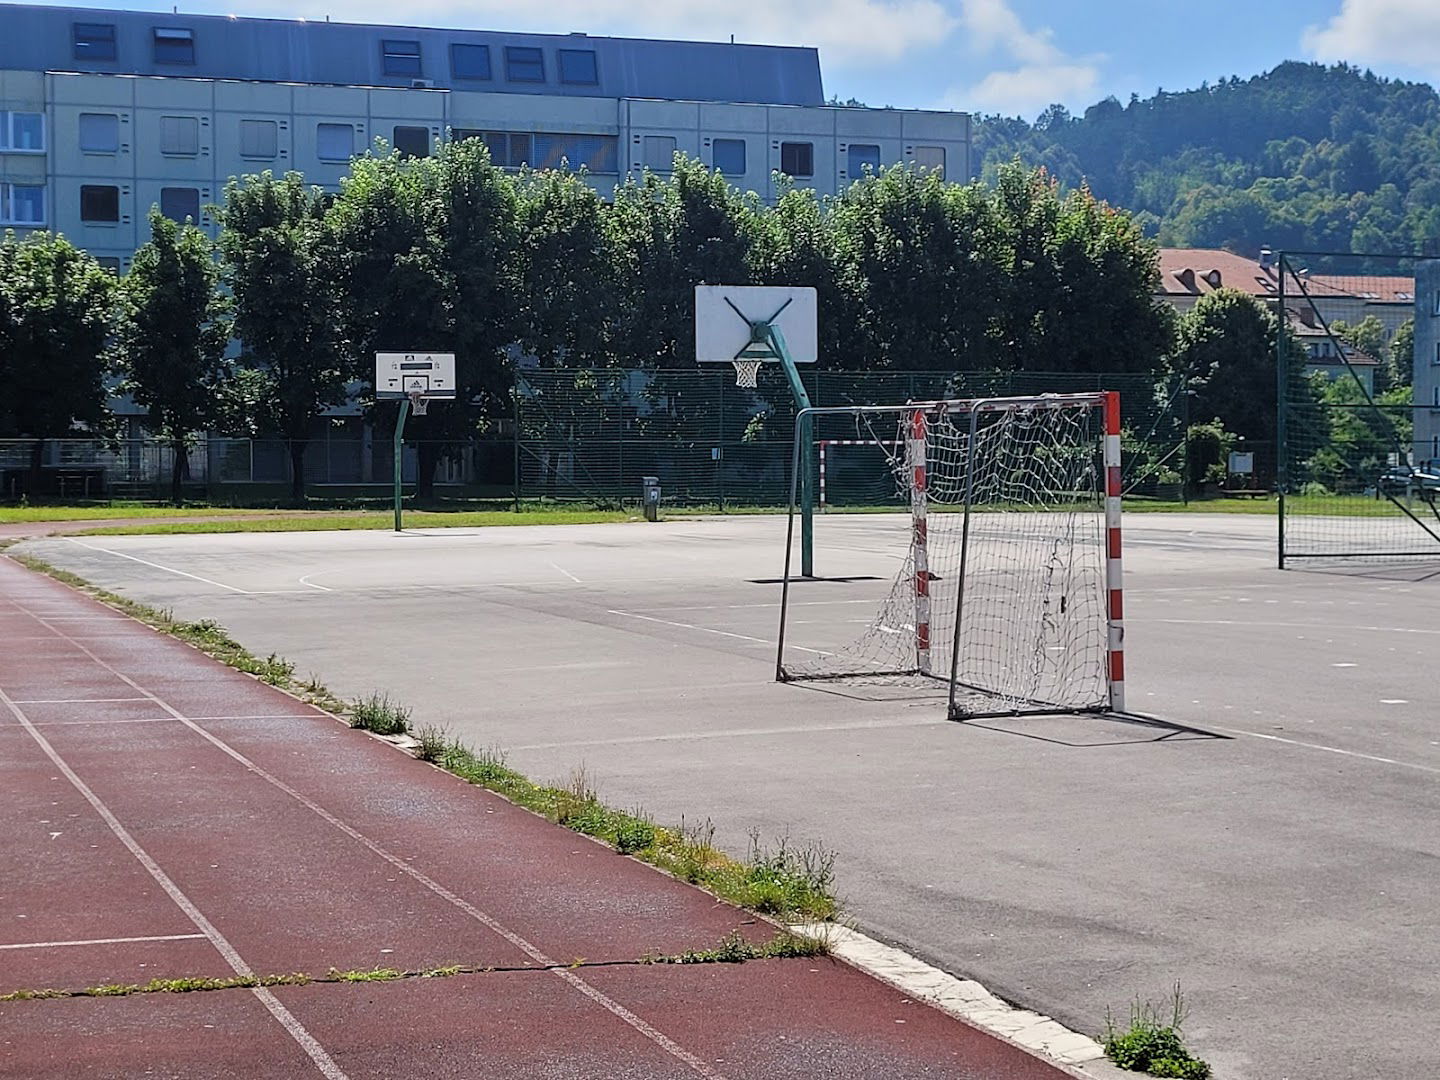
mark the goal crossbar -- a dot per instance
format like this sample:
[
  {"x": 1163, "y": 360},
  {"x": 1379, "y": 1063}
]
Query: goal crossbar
[{"x": 1010, "y": 590}]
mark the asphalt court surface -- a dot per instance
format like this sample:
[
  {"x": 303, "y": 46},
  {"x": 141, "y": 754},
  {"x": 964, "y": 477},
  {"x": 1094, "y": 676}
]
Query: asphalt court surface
[
  {"x": 146, "y": 841},
  {"x": 1278, "y": 859}
]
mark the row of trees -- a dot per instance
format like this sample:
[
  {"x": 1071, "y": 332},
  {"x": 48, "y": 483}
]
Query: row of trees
[{"x": 451, "y": 253}]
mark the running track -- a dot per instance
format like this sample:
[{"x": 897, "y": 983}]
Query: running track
[{"x": 165, "y": 816}]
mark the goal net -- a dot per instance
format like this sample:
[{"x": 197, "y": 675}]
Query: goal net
[{"x": 1007, "y": 598}]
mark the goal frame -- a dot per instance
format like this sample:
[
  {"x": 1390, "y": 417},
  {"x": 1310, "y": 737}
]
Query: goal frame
[{"x": 917, "y": 417}]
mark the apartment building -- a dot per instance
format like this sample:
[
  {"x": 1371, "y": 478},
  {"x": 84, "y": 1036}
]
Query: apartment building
[{"x": 104, "y": 114}]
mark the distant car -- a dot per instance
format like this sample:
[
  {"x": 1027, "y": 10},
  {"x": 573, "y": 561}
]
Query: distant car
[{"x": 1404, "y": 480}]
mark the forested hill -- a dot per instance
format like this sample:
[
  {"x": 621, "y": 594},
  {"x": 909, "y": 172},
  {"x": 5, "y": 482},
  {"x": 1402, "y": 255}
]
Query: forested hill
[{"x": 1303, "y": 157}]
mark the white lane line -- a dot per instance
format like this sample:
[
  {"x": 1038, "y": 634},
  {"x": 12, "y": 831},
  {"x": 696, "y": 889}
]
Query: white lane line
[
  {"x": 74, "y": 700},
  {"x": 598, "y": 996},
  {"x": 710, "y": 630},
  {"x": 567, "y": 573},
  {"x": 287, "y": 1020},
  {"x": 1327, "y": 749},
  {"x": 311, "y": 585},
  {"x": 1288, "y": 625},
  {"x": 158, "y": 566},
  {"x": 737, "y": 733},
  {"x": 104, "y": 941},
  {"x": 171, "y": 719}
]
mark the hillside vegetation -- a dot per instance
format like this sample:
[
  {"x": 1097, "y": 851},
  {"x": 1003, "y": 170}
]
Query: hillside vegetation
[{"x": 1302, "y": 157}]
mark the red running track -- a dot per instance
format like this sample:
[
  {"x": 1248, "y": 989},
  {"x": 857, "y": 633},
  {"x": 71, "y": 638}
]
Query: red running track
[{"x": 167, "y": 817}]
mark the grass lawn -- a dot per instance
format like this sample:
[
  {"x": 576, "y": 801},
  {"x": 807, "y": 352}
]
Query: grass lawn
[
  {"x": 377, "y": 519},
  {"x": 11, "y": 515}
]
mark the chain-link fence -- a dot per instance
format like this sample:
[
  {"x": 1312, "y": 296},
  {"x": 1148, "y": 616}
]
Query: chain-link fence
[
  {"x": 594, "y": 434},
  {"x": 1359, "y": 422}
]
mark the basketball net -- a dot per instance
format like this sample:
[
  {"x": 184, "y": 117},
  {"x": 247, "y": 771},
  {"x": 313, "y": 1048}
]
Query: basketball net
[
  {"x": 746, "y": 372},
  {"x": 419, "y": 403}
]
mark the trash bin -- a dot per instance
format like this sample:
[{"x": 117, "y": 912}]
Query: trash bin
[{"x": 650, "y": 491}]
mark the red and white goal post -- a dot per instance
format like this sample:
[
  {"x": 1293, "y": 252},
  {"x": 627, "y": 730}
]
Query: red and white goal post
[{"x": 1009, "y": 596}]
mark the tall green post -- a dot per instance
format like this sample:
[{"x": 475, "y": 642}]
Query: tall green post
[
  {"x": 399, "y": 446},
  {"x": 807, "y": 450},
  {"x": 1282, "y": 387}
]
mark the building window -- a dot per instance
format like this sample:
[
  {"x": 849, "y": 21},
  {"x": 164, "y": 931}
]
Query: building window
[
  {"x": 401, "y": 58},
  {"x": 109, "y": 262},
  {"x": 22, "y": 132},
  {"x": 509, "y": 149},
  {"x": 660, "y": 152},
  {"x": 577, "y": 66},
  {"x": 99, "y": 203},
  {"x": 259, "y": 139},
  {"x": 179, "y": 203},
  {"x": 728, "y": 155},
  {"x": 179, "y": 135},
  {"x": 94, "y": 41},
  {"x": 174, "y": 46},
  {"x": 931, "y": 159},
  {"x": 470, "y": 61},
  {"x": 22, "y": 204},
  {"x": 334, "y": 142},
  {"x": 412, "y": 141},
  {"x": 524, "y": 64},
  {"x": 1437, "y": 352},
  {"x": 863, "y": 156},
  {"x": 797, "y": 158},
  {"x": 1435, "y": 307},
  {"x": 594, "y": 153},
  {"x": 99, "y": 133}
]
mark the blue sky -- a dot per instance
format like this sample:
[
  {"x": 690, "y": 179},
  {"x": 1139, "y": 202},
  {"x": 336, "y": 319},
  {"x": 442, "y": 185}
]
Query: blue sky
[{"x": 1010, "y": 56}]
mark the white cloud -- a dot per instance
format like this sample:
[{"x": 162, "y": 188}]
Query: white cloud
[
  {"x": 851, "y": 32},
  {"x": 1380, "y": 31},
  {"x": 1041, "y": 72},
  {"x": 1027, "y": 90}
]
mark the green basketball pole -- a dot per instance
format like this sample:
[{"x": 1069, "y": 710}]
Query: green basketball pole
[
  {"x": 399, "y": 444},
  {"x": 807, "y": 451}
]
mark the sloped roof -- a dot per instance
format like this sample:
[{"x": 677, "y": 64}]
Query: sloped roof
[{"x": 1197, "y": 271}]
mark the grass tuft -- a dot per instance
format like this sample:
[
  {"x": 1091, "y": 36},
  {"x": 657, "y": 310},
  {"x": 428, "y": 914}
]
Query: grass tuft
[
  {"x": 377, "y": 713},
  {"x": 432, "y": 739},
  {"x": 1152, "y": 1044},
  {"x": 735, "y": 949},
  {"x": 33, "y": 995},
  {"x": 377, "y": 974}
]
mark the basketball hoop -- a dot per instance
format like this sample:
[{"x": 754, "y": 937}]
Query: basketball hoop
[
  {"x": 746, "y": 373},
  {"x": 419, "y": 403}
]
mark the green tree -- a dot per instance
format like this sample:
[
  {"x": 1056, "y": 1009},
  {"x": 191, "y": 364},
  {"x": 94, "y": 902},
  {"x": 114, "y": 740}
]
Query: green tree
[
  {"x": 285, "y": 307},
  {"x": 668, "y": 234},
  {"x": 919, "y": 258},
  {"x": 1402, "y": 352},
  {"x": 1225, "y": 351},
  {"x": 56, "y": 312},
  {"x": 1369, "y": 337},
  {"x": 172, "y": 335},
  {"x": 564, "y": 263}
]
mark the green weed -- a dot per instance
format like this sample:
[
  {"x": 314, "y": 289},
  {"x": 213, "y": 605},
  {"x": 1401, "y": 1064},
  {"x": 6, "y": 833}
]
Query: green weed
[
  {"x": 1152, "y": 1043},
  {"x": 433, "y": 741},
  {"x": 379, "y": 714},
  {"x": 378, "y": 974}
]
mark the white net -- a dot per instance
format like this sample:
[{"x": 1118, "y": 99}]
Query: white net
[
  {"x": 747, "y": 373},
  {"x": 1032, "y": 631}
]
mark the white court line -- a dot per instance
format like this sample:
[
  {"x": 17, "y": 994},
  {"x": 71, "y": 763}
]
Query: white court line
[
  {"x": 1285, "y": 625},
  {"x": 158, "y": 566},
  {"x": 534, "y": 952},
  {"x": 737, "y": 733},
  {"x": 104, "y": 941},
  {"x": 567, "y": 573},
  {"x": 1328, "y": 749},
  {"x": 287, "y": 1020},
  {"x": 171, "y": 719},
  {"x": 74, "y": 700},
  {"x": 310, "y": 584},
  {"x": 711, "y": 630}
]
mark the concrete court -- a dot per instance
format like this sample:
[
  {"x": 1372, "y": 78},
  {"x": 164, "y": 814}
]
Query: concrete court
[{"x": 1283, "y": 867}]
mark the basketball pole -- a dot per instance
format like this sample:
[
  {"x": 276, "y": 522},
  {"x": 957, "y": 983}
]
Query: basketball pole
[
  {"x": 399, "y": 444},
  {"x": 807, "y": 449}
]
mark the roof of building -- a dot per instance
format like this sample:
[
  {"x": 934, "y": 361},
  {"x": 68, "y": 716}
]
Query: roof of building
[
  {"x": 351, "y": 54},
  {"x": 1197, "y": 271}
]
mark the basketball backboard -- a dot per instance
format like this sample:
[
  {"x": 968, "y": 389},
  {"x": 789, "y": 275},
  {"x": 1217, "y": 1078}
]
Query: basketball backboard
[
  {"x": 398, "y": 375},
  {"x": 730, "y": 320}
]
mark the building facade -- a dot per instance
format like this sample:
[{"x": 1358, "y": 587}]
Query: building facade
[
  {"x": 1427, "y": 363},
  {"x": 104, "y": 114}
]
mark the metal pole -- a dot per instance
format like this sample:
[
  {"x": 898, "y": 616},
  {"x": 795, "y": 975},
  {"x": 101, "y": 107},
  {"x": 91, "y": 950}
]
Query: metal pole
[
  {"x": 399, "y": 445},
  {"x": 515, "y": 444},
  {"x": 950, "y": 710},
  {"x": 804, "y": 423},
  {"x": 1185, "y": 396},
  {"x": 789, "y": 544},
  {"x": 1282, "y": 472}
]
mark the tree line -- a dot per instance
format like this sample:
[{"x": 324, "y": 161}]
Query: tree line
[
  {"x": 1304, "y": 157},
  {"x": 450, "y": 253}
]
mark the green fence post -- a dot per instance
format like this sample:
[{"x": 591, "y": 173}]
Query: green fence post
[
  {"x": 1282, "y": 386},
  {"x": 807, "y": 452},
  {"x": 399, "y": 443}
]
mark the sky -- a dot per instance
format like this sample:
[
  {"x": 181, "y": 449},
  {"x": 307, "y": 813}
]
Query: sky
[{"x": 1008, "y": 56}]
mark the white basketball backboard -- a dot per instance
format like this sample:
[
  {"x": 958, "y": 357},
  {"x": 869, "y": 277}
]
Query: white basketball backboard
[
  {"x": 398, "y": 375},
  {"x": 724, "y": 314}
]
